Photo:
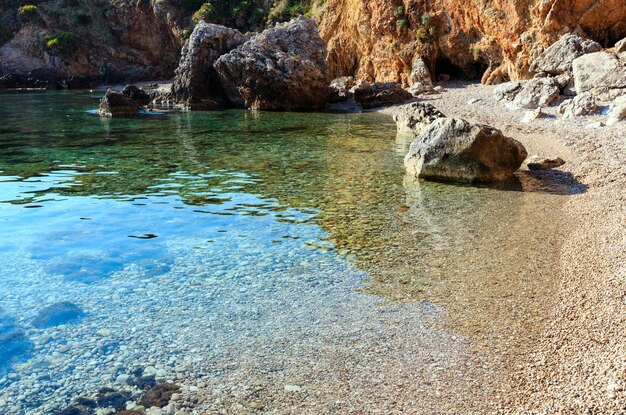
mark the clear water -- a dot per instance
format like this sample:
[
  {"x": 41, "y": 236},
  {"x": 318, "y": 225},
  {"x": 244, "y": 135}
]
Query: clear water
[{"x": 205, "y": 248}]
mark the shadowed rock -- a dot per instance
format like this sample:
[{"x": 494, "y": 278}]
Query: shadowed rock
[
  {"x": 196, "y": 84},
  {"x": 159, "y": 395},
  {"x": 126, "y": 103},
  {"x": 380, "y": 94},
  {"x": 415, "y": 117},
  {"x": 452, "y": 149}
]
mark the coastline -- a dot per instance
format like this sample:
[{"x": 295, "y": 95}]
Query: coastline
[{"x": 576, "y": 362}]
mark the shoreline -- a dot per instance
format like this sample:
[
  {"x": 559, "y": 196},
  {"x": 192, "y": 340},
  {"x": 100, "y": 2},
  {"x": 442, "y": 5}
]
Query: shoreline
[{"x": 578, "y": 360}]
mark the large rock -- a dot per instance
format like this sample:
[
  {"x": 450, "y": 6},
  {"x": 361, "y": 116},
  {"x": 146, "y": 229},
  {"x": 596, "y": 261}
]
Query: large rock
[
  {"x": 536, "y": 93},
  {"x": 126, "y": 103},
  {"x": 283, "y": 68},
  {"x": 507, "y": 91},
  {"x": 415, "y": 117},
  {"x": 340, "y": 89},
  {"x": 380, "y": 94},
  {"x": 599, "y": 70},
  {"x": 196, "y": 84},
  {"x": 420, "y": 72},
  {"x": 620, "y": 46},
  {"x": 557, "y": 59},
  {"x": 453, "y": 149},
  {"x": 583, "y": 104}
]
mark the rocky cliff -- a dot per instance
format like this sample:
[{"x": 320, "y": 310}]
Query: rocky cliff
[{"x": 490, "y": 39}]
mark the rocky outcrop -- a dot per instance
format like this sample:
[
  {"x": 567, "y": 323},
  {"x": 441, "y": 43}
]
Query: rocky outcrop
[
  {"x": 378, "y": 40},
  {"x": 599, "y": 70},
  {"x": 129, "y": 40},
  {"x": 618, "y": 111},
  {"x": 415, "y": 117},
  {"x": 283, "y": 68},
  {"x": 196, "y": 84},
  {"x": 620, "y": 46},
  {"x": 126, "y": 103},
  {"x": 558, "y": 58},
  {"x": 453, "y": 149},
  {"x": 340, "y": 89},
  {"x": 380, "y": 94}
]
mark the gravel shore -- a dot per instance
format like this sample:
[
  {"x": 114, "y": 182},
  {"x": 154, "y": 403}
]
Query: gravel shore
[{"x": 577, "y": 361}]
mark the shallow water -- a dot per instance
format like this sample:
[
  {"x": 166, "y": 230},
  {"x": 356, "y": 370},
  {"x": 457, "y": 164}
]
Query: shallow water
[{"x": 237, "y": 252}]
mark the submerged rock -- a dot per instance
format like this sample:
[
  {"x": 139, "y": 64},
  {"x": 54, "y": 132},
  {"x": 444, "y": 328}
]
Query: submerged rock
[
  {"x": 558, "y": 58},
  {"x": 159, "y": 395},
  {"x": 415, "y": 117},
  {"x": 126, "y": 103},
  {"x": 196, "y": 84},
  {"x": 283, "y": 68},
  {"x": 108, "y": 397},
  {"x": 453, "y": 149},
  {"x": 380, "y": 94},
  {"x": 56, "y": 314}
]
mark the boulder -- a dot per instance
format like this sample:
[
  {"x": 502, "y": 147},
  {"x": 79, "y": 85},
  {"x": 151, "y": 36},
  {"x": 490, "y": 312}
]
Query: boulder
[
  {"x": 620, "y": 46},
  {"x": 196, "y": 84},
  {"x": 583, "y": 104},
  {"x": 380, "y": 94},
  {"x": 532, "y": 115},
  {"x": 123, "y": 103},
  {"x": 453, "y": 149},
  {"x": 557, "y": 59},
  {"x": 340, "y": 89},
  {"x": 536, "y": 93},
  {"x": 283, "y": 68},
  {"x": 420, "y": 72},
  {"x": 599, "y": 70},
  {"x": 535, "y": 163},
  {"x": 415, "y": 117}
]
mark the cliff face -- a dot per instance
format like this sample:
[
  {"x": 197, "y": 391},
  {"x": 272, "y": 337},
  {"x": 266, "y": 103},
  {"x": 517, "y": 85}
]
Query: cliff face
[
  {"x": 492, "y": 39},
  {"x": 99, "y": 40}
]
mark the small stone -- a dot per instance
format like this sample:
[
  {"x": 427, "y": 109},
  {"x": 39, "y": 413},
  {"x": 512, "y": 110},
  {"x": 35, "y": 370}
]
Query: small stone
[
  {"x": 258, "y": 405},
  {"x": 292, "y": 388}
]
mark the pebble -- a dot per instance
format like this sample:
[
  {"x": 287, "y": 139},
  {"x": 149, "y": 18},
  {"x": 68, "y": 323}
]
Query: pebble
[{"x": 292, "y": 388}]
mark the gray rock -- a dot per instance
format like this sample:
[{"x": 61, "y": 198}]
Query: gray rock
[
  {"x": 599, "y": 70},
  {"x": 420, "y": 72},
  {"x": 419, "y": 88},
  {"x": 415, "y": 117},
  {"x": 196, "y": 84},
  {"x": 536, "y": 93},
  {"x": 283, "y": 68},
  {"x": 617, "y": 112},
  {"x": 620, "y": 46},
  {"x": 535, "y": 163},
  {"x": 583, "y": 104},
  {"x": 507, "y": 91},
  {"x": 557, "y": 59},
  {"x": 453, "y": 149},
  {"x": 531, "y": 115},
  {"x": 380, "y": 94}
]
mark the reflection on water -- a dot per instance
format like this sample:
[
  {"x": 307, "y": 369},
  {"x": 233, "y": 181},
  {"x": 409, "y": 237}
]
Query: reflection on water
[{"x": 222, "y": 220}]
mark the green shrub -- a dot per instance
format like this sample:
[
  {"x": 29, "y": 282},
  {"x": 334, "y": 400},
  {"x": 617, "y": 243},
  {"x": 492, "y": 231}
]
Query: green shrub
[
  {"x": 62, "y": 43},
  {"x": 432, "y": 31},
  {"x": 475, "y": 53},
  {"x": 206, "y": 12},
  {"x": 421, "y": 34},
  {"x": 28, "y": 10},
  {"x": 426, "y": 19},
  {"x": 404, "y": 22},
  {"x": 399, "y": 12},
  {"x": 192, "y": 5}
]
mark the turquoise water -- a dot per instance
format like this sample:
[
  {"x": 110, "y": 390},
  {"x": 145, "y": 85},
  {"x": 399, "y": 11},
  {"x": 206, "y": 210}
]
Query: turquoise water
[{"x": 201, "y": 247}]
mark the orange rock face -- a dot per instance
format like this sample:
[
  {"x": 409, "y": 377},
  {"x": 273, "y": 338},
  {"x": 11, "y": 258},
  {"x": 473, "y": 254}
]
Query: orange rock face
[{"x": 490, "y": 39}]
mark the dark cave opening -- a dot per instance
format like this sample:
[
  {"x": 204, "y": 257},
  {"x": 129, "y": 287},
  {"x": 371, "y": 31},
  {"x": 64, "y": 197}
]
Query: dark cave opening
[{"x": 471, "y": 72}]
